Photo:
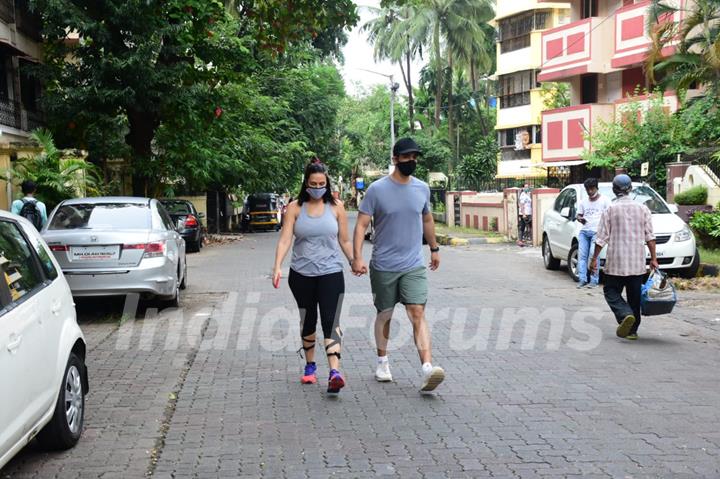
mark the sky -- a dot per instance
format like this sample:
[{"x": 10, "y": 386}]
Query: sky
[{"x": 359, "y": 55}]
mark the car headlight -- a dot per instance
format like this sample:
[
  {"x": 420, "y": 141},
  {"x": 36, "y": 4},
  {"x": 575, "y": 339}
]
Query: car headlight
[{"x": 684, "y": 234}]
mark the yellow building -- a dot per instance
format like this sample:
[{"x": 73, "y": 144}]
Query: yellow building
[
  {"x": 20, "y": 48},
  {"x": 520, "y": 24}
]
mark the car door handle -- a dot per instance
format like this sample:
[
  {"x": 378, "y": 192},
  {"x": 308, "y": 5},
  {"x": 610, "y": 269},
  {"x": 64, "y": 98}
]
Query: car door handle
[
  {"x": 13, "y": 345},
  {"x": 56, "y": 306}
]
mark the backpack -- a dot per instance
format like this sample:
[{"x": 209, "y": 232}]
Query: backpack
[{"x": 30, "y": 212}]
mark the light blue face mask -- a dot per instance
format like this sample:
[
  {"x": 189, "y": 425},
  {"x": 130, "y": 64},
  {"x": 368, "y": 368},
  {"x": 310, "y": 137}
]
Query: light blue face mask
[{"x": 316, "y": 193}]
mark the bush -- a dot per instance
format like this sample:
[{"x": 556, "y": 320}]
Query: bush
[
  {"x": 707, "y": 228},
  {"x": 697, "y": 195}
]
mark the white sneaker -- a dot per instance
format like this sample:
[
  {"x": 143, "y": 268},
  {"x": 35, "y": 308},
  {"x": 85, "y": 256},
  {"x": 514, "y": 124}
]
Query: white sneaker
[
  {"x": 382, "y": 373},
  {"x": 433, "y": 378}
]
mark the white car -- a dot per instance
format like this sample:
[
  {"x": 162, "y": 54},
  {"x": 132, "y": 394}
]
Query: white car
[
  {"x": 676, "y": 249},
  {"x": 42, "y": 350}
]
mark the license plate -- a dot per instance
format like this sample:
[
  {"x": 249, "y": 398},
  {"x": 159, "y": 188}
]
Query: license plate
[{"x": 95, "y": 253}]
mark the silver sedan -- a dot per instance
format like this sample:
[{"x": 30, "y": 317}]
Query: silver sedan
[{"x": 118, "y": 245}]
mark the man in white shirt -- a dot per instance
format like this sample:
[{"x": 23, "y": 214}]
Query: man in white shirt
[
  {"x": 525, "y": 204},
  {"x": 589, "y": 213}
]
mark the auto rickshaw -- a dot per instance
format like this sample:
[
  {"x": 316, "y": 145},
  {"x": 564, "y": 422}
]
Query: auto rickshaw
[{"x": 265, "y": 210}]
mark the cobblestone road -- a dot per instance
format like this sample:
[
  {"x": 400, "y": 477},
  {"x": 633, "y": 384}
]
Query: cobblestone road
[{"x": 537, "y": 385}]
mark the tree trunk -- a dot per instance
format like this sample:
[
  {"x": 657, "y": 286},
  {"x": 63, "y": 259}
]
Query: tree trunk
[
  {"x": 142, "y": 126},
  {"x": 411, "y": 100},
  {"x": 451, "y": 110},
  {"x": 438, "y": 74}
]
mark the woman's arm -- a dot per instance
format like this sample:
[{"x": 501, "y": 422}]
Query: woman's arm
[
  {"x": 343, "y": 235},
  {"x": 286, "y": 234}
]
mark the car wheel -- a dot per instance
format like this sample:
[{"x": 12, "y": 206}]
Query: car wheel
[
  {"x": 572, "y": 262},
  {"x": 174, "y": 300},
  {"x": 193, "y": 246},
  {"x": 692, "y": 270},
  {"x": 64, "y": 429},
  {"x": 551, "y": 262}
]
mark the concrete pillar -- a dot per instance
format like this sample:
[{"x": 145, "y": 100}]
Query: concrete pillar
[{"x": 675, "y": 170}]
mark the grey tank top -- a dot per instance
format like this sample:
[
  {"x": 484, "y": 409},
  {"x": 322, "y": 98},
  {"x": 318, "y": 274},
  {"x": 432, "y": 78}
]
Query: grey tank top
[{"x": 316, "y": 251}]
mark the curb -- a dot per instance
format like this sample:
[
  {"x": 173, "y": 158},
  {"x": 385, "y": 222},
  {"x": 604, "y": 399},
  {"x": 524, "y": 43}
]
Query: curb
[{"x": 447, "y": 240}]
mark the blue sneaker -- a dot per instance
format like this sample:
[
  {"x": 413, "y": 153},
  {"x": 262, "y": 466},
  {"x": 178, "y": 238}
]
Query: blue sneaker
[
  {"x": 309, "y": 375},
  {"x": 335, "y": 382}
]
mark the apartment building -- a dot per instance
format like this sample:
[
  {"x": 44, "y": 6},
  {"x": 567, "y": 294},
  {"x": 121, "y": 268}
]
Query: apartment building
[
  {"x": 600, "y": 53},
  {"x": 20, "y": 48},
  {"x": 520, "y": 25}
]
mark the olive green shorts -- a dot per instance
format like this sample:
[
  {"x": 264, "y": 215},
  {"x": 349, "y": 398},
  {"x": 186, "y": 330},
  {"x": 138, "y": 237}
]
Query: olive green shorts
[{"x": 409, "y": 287}]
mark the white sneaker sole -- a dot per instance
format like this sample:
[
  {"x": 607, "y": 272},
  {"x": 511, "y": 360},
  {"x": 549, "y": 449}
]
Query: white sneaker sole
[
  {"x": 436, "y": 377},
  {"x": 383, "y": 379}
]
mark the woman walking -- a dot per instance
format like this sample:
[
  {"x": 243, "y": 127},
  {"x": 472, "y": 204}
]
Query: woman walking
[{"x": 319, "y": 224}]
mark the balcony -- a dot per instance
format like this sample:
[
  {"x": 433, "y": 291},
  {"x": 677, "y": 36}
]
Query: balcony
[
  {"x": 574, "y": 49},
  {"x": 631, "y": 39},
  {"x": 14, "y": 115},
  {"x": 7, "y": 11},
  {"x": 564, "y": 130}
]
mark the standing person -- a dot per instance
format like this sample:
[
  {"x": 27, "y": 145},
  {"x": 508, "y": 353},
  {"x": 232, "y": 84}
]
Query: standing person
[
  {"x": 590, "y": 211},
  {"x": 30, "y": 207},
  {"x": 399, "y": 205},
  {"x": 525, "y": 204},
  {"x": 626, "y": 226},
  {"x": 319, "y": 224}
]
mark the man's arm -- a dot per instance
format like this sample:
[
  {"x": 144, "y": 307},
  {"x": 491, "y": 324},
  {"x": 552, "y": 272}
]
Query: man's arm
[
  {"x": 429, "y": 233},
  {"x": 601, "y": 239},
  {"x": 650, "y": 239},
  {"x": 16, "y": 207}
]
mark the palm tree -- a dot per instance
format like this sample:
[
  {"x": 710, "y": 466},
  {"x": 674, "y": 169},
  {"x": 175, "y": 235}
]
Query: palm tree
[
  {"x": 389, "y": 33},
  {"x": 697, "y": 58}
]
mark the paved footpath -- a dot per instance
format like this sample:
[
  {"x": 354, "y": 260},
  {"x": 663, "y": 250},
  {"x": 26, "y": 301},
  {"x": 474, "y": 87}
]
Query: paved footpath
[{"x": 537, "y": 385}]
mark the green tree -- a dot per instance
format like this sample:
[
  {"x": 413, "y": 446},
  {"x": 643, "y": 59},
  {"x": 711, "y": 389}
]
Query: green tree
[
  {"x": 697, "y": 59},
  {"x": 481, "y": 164},
  {"x": 139, "y": 65}
]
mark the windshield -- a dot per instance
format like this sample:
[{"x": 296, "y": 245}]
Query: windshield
[
  {"x": 261, "y": 203},
  {"x": 177, "y": 207},
  {"x": 640, "y": 194},
  {"x": 113, "y": 216}
]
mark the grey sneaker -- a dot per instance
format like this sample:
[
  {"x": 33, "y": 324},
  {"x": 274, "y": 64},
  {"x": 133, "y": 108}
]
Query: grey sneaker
[
  {"x": 581, "y": 285},
  {"x": 592, "y": 285}
]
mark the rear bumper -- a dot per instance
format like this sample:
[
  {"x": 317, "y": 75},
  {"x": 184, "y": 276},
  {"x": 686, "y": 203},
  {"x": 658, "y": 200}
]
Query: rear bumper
[
  {"x": 190, "y": 235},
  {"x": 157, "y": 277}
]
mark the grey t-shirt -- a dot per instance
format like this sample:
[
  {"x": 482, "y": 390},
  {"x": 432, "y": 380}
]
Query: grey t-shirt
[{"x": 397, "y": 210}]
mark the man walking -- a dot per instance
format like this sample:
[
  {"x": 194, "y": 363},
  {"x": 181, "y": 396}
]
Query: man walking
[
  {"x": 589, "y": 213},
  {"x": 626, "y": 226},
  {"x": 29, "y": 207},
  {"x": 525, "y": 204},
  {"x": 400, "y": 207}
]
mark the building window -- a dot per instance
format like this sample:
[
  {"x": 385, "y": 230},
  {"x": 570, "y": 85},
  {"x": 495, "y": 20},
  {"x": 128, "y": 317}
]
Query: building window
[
  {"x": 29, "y": 87},
  {"x": 4, "y": 84},
  {"x": 514, "y": 89},
  {"x": 589, "y": 9},
  {"x": 514, "y": 32},
  {"x": 515, "y": 143}
]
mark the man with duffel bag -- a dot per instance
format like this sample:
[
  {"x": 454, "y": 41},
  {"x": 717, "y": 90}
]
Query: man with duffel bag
[{"x": 626, "y": 226}]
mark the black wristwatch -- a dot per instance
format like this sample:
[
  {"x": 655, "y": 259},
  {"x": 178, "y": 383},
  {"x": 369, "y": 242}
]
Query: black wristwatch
[{"x": 435, "y": 249}]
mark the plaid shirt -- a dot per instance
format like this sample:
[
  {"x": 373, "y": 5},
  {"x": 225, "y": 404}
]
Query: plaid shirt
[{"x": 626, "y": 226}]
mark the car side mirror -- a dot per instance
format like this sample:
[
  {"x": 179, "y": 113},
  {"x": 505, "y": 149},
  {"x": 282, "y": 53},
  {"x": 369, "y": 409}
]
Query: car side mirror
[
  {"x": 201, "y": 215},
  {"x": 673, "y": 208},
  {"x": 565, "y": 212}
]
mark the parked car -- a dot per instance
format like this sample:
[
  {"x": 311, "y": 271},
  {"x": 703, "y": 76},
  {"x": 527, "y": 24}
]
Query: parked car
[
  {"x": 42, "y": 350},
  {"x": 118, "y": 245},
  {"x": 187, "y": 219},
  {"x": 676, "y": 249}
]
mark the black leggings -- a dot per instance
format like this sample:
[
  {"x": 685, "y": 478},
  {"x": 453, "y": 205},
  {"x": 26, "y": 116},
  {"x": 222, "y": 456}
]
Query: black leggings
[{"x": 325, "y": 291}]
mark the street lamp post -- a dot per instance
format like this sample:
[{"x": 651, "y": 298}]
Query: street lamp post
[{"x": 394, "y": 87}]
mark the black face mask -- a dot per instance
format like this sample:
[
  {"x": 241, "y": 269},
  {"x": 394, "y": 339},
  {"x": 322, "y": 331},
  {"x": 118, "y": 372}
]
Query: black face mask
[{"x": 407, "y": 168}]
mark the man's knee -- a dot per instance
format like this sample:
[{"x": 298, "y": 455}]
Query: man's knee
[{"x": 416, "y": 312}]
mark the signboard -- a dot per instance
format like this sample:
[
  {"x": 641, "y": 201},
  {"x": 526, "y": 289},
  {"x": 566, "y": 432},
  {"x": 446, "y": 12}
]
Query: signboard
[
  {"x": 359, "y": 183},
  {"x": 645, "y": 169}
]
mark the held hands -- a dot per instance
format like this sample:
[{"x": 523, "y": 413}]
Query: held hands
[
  {"x": 654, "y": 265},
  {"x": 359, "y": 267}
]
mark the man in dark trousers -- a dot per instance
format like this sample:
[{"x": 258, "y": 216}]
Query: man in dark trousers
[{"x": 626, "y": 226}]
